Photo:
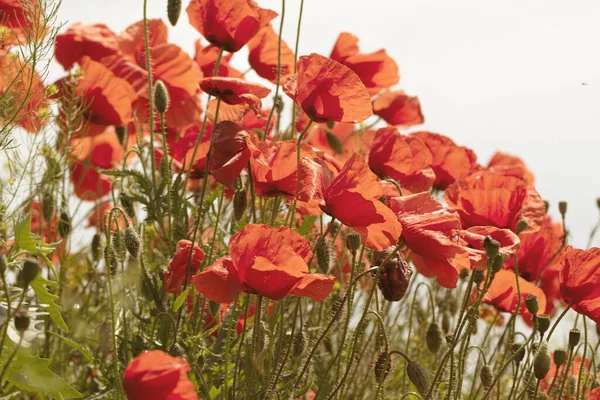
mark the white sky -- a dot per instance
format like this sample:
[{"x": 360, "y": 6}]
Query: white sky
[{"x": 501, "y": 75}]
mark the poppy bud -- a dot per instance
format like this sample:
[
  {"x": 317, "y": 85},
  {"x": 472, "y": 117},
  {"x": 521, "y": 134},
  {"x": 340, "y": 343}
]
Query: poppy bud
[
  {"x": 464, "y": 273},
  {"x": 122, "y": 133},
  {"x": 278, "y": 104},
  {"x": 3, "y": 264},
  {"x": 574, "y": 336},
  {"x": 240, "y": 202},
  {"x": 519, "y": 352},
  {"x": 487, "y": 376},
  {"x": 562, "y": 208},
  {"x": 47, "y": 205},
  {"x": 96, "y": 243},
  {"x": 433, "y": 337},
  {"x": 383, "y": 366},
  {"x": 161, "y": 97},
  {"x": 531, "y": 302},
  {"x": 298, "y": 343},
  {"x": 497, "y": 263},
  {"x": 127, "y": 205},
  {"x": 521, "y": 226},
  {"x": 394, "y": 278},
  {"x": 542, "y": 361},
  {"x": 30, "y": 271},
  {"x": 418, "y": 376},
  {"x": 492, "y": 247},
  {"x": 111, "y": 258},
  {"x": 334, "y": 142},
  {"x": 64, "y": 224},
  {"x": 478, "y": 276},
  {"x": 353, "y": 241},
  {"x": 560, "y": 357},
  {"x": 543, "y": 323},
  {"x": 21, "y": 321},
  {"x": 173, "y": 11},
  {"x": 323, "y": 255},
  {"x": 445, "y": 323},
  {"x": 132, "y": 241}
]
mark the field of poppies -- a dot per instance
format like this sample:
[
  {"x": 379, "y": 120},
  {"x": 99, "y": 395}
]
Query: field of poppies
[{"x": 171, "y": 230}]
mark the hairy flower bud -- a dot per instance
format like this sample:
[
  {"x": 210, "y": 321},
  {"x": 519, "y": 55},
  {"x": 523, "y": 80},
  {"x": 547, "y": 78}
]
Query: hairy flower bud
[
  {"x": 64, "y": 224},
  {"x": 497, "y": 263},
  {"x": 21, "y": 321},
  {"x": 161, "y": 97},
  {"x": 521, "y": 226},
  {"x": 560, "y": 357},
  {"x": 487, "y": 376},
  {"x": 574, "y": 337},
  {"x": 127, "y": 205},
  {"x": 383, "y": 366},
  {"x": 394, "y": 278},
  {"x": 240, "y": 202},
  {"x": 353, "y": 241},
  {"x": 542, "y": 361},
  {"x": 491, "y": 246},
  {"x": 323, "y": 252},
  {"x": 111, "y": 258},
  {"x": 173, "y": 11},
  {"x": 132, "y": 241},
  {"x": 433, "y": 337},
  {"x": 418, "y": 376},
  {"x": 543, "y": 323},
  {"x": 531, "y": 302},
  {"x": 562, "y": 208},
  {"x": 298, "y": 343}
]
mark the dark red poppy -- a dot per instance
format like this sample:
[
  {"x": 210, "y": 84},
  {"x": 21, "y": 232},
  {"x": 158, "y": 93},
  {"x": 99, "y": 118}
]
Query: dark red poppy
[
  {"x": 503, "y": 293},
  {"x": 506, "y": 164},
  {"x": 405, "y": 159},
  {"x": 398, "y": 108},
  {"x": 206, "y": 57},
  {"x": 95, "y": 41},
  {"x": 235, "y": 91},
  {"x": 450, "y": 162},
  {"x": 494, "y": 200},
  {"x": 157, "y": 375},
  {"x": 228, "y": 24},
  {"x": 376, "y": 70},
  {"x": 230, "y": 152},
  {"x": 351, "y": 196},
  {"x": 328, "y": 91},
  {"x": 580, "y": 280},
  {"x": 264, "y": 260},
  {"x": 474, "y": 238},
  {"x": 176, "y": 273},
  {"x": 263, "y": 56}
]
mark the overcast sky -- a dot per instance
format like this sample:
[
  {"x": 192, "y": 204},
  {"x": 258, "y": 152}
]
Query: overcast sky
[{"x": 521, "y": 76}]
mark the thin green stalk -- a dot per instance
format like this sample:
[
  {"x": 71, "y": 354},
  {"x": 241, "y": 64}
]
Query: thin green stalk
[
  {"x": 567, "y": 368},
  {"x": 585, "y": 332}
]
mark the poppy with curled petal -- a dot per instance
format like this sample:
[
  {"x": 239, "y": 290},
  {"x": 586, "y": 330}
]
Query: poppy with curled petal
[
  {"x": 398, "y": 108},
  {"x": 474, "y": 239},
  {"x": 264, "y": 260},
  {"x": 95, "y": 41},
  {"x": 228, "y": 24},
  {"x": 432, "y": 233},
  {"x": 376, "y": 70},
  {"x": 178, "y": 266},
  {"x": 580, "y": 280},
  {"x": 351, "y": 196},
  {"x": 206, "y": 57},
  {"x": 405, "y": 159},
  {"x": 230, "y": 152},
  {"x": 235, "y": 91},
  {"x": 506, "y": 164},
  {"x": 157, "y": 375},
  {"x": 328, "y": 91},
  {"x": 450, "y": 162},
  {"x": 494, "y": 200},
  {"x": 503, "y": 293},
  {"x": 264, "y": 56}
]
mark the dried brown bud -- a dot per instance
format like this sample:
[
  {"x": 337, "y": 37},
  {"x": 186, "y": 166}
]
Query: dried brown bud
[
  {"x": 433, "y": 337},
  {"x": 542, "y": 361},
  {"x": 394, "y": 278},
  {"x": 418, "y": 376},
  {"x": 478, "y": 276},
  {"x": 487, "y": 376},
  {"x": 383, "y": 366},
  {"x": 240, "y": 202},
  {"x": 298, "y": 343},
  {"x": 132, "y": 241},
  {"x": 323, "y": 252}
]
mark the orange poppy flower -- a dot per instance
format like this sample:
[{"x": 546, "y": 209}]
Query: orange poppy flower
[
  {"x": 351, "y": 196},
  {"x": 175, "y": 274},
  {"x": 257, "y": 123},
  {"x": 22, "y": 21},
  {"x": 230, "y": 152},
  {"x": 206, "y": 58},
  {"x": 474, "y": 238},
  {"x": 494, "y": 200},
  {"x": 132, "y": 39},
  {"x": 503, "y": 293},
  {"x": 157, "y": 375},
  {"x": 235, "y": 91},
  {"x": 450, "y": 162},
  {"x": 432, "y": 234},
  {"x": 580, "y": 280},
  {"x": 95, "y": 41},
  {"x": 397, "y": 108},
  {"x": 505, "y": 164},
  {"x": 376, "y": 70},
  {"x": 228, "y": 24},
  {"x": 265, "y": 260},
  {"x": 262, "y": 56},
  {"x": 328, "y": 91},
  {"x": 405, "y": 159}
]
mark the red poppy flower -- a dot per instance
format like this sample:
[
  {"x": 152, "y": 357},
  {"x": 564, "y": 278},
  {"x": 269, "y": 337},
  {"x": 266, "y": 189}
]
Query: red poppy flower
[
  {"x": 405, "y": 159},
  {"x": 181, "y": 145},
  {"x": 95, "y": 41},
  {"x": 494, "y": 200},
  {"x": 263, "y": 56},
  {"x": 157, "y": 375},
  {"x": 503, "y": 293},
  {"x": 474, "y": 238},
  {"x": 576, "y": 363},
  {"x": 505, "y": 164},
  {"x": 21, "y": 18},
  {"x": 206, "y": 57},
  {"x": 432, "y": 234},
  {"x": 175, "y": 275},
  {"x": 264, "y": 260},
  {"x": 230, "y": 152},
  {"x": 376, "y": 70},
  {"x": 351, "y": 196},
  {"x": 450, "y": 162},
  {"x": 132, "y": 42},
  {"x": 328, "y": 91},
  {"x": 580, "y": 280},
  {"x": 235, "y": 91},
  {"x": 228, "y": 24},
  {"x": 397, "y": 108}
]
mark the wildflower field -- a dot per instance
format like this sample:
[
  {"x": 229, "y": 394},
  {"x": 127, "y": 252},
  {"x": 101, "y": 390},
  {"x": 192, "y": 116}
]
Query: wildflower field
[{"x": 172, "y": 229}]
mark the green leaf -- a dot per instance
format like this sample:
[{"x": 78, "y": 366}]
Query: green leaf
[
  {"x": 71, "y": 343},
  {"x": 25, "y": 240},
  {"x": 180, "y": 299},
  {"x": 44, "y": 296},
  {"x": 307, "y": 223}
]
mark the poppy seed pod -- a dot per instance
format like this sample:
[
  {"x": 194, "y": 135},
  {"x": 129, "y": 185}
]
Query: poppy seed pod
[
  {"x": 542, "y": 361},
  {"x": 492, "y": 247},
  {"x": 531, "y": 302},
  {"x": 560, "y": 357},
  {"x": 543, "y": 323},
  {"x": 64, "y": 224},
  {"x": 487, "y": 376},
  {"x": 574, "y": 337},
  {"x": 30, "y": 271},
  {"x": 562, "y": 208},
  {"x": 383, "y": 366},
  {"x": 394, "y": 278},
  {"x": 418, "y": 376},
  {"x": 240, "y": 202},
  {"x": 353, "y": 241},
  {"x": 161, "y": 97},
  {"x": 497, "y": 263},
  {"x": 433, "y": 337},
  {"x": 519, "y": 352},
  {"x": 521, "y": 226},
  {"x": 173, "y": 11},
  {"x": 21, "y": 321},
  {"x": 298, "y": 343},
  {"x": 132, "y": 241},
  {"x": 323, "y": 255}
]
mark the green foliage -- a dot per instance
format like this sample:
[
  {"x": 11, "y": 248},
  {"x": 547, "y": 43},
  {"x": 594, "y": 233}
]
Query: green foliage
[{"x": 45, "y": 297}]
